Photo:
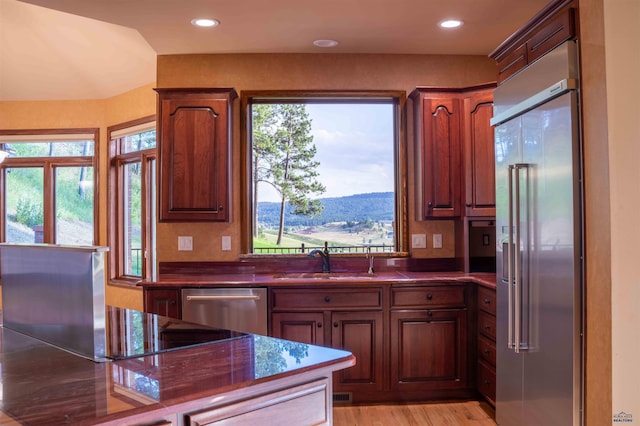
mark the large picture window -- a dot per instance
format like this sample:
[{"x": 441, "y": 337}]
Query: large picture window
[
  {"x": 324, "y": 167},
  {"x": 132, "y": 200},
  {"x": 47, "y": 186}
]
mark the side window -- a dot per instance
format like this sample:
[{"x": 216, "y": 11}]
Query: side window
[
  {"x": 47, "y": 192},
  {"x": 132, "y": 200}
]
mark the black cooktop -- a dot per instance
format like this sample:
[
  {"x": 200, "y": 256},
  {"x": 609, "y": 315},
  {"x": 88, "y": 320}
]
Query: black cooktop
[{"x": 132, "y": 333}]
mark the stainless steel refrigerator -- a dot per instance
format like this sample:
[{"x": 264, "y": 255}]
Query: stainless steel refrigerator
[{"x": 539, "y": 244}]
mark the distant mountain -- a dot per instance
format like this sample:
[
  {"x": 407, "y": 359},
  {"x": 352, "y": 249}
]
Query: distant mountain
[{"x": 377, "y": 206}]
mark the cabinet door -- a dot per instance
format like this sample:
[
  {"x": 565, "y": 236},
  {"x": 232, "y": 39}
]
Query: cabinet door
[
  {"x": 479, "y": 158},
  {"x": 164, "y": 302},
  {"x": 193, "y": 146},
  {"x": 440, "y": 139},
  {"x": 361, "y": 334},
  {"x": 304, "y": 327},
  {"x": 429, "y": 349}
]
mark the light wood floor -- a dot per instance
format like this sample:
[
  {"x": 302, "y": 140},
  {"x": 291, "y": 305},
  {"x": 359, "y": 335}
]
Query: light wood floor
[{"x": 432, "y": 414}]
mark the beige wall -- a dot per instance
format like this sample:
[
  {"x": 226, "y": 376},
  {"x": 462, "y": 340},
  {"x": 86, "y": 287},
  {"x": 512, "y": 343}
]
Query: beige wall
[
  {"x": 100, "y": 114},
  {"x": 622, "y": 32},
  {"x": 310, "y": 72}
]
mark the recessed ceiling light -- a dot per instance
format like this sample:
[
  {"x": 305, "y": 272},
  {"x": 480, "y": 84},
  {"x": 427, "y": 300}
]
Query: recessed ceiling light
[
  {"x": 450, "y": 23},
  {"x": 325, "y": 43},
  {"x": 202, "y": 22}
]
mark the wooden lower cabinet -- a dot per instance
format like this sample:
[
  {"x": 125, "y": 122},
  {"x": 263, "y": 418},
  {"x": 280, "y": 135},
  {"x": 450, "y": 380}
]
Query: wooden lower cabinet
[
  {"x": 486, "y": 338},
  {"x": 303, "y": 327},
  {"x": 162, "y": 301},
  {"x": 429, "y": 349},
  {"x": 359, "y": 332}
]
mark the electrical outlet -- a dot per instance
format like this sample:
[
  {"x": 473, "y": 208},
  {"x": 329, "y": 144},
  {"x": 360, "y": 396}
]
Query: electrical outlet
[
  {"x": 437, "y": 241},
  {"x": 185, "y": 243},
  {"x": 418, "y": 241},
  {"x": 226, "y": 243}
]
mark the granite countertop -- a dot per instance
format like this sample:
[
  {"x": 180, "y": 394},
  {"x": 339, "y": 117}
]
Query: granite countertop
[
  {"x": 42, "y": 384},
  {"x": 337, "y": 278}
]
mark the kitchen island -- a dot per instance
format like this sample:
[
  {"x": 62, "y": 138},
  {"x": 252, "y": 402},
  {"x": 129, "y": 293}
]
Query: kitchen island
[{"x": 168, "y": 372}]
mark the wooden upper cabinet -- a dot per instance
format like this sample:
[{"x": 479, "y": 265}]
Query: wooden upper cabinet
[
  {"x": 479, "y": 153},
  {"x": 553, "y": 25},
  {"x": 194, "y": 154},
  {"x": 437, "y": 130}
]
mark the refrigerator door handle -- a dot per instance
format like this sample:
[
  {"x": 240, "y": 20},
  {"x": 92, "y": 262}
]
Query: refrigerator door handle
[
  {"x": 518, "y": 262},
  {"x": 510, "y": 283},
  {"x": 518, "y": 266}
]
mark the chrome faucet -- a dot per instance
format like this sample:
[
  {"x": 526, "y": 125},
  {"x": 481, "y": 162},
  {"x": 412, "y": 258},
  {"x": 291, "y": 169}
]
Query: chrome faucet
[
  {"x": 370, "y": 257},
  {"x": 326, "y": 268}
]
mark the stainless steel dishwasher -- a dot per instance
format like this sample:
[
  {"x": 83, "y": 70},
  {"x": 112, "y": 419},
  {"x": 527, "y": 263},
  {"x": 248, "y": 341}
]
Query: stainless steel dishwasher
[{"x": 238, "y": 309}]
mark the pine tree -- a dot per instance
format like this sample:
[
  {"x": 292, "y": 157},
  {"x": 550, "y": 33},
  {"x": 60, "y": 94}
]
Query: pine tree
[{"x": 284, "y": 155}]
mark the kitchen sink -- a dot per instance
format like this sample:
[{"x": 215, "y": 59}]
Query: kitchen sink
[{"x": 323, "y": 275}]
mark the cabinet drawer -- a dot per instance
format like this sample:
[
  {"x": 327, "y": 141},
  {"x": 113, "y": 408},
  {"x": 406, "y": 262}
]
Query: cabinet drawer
[
  {"x": 303, "y": 404},
  {"x": 416, "y": 297},
  {"x": 302, "y": 299},
  {"x": 487, "y": 300},
  {"x": 486, "y": 381},
  {"x": 487, "y": 325},
  {"x": 487, "y": 350}
]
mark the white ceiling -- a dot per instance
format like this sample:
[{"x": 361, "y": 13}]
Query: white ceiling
[{"x": 92, "y": 49}]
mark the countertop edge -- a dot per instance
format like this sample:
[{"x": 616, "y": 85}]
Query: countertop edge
[{"x": 484, "y": 279}]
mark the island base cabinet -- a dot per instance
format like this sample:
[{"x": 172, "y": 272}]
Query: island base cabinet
[
  {"x": 307, "y": 404},
  {"x": 428, "y": 350}
]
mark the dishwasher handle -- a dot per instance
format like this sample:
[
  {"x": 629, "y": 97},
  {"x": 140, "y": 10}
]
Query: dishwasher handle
[{"x": 224, "y": 297}]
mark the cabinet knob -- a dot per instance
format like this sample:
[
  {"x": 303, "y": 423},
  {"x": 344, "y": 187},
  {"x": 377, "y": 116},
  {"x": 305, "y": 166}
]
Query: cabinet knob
[
  {"x": 487, "y": 382},
  {"x": 487, "y": 327},
  {"x": 468, "y": 204},
  {"x": 335, "y": 325},
  {"x": 220, "y": 208},
  {"x": 429, "y": 296},
  {"x": 429, "y": 204},
  {"x": 327, "y": 299},
  {"x": 487, "y": 301},
  {"x": 429, "y": 313},
  {"x": 172, "y": 302},
  {"x": 486, "y": 351},
  {"x": 319, "y": 325}
]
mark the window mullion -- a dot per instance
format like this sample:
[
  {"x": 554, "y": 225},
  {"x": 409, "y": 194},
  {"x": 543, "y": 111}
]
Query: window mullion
[{"x": 49, "y": 203}]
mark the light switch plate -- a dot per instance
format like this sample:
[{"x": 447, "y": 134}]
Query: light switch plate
[
  {"x": 226, "y": 243},
  {"x": 418, "y": 241},
  {"x": 185, "y": 243},
  {"x": 437, "y": 241}
]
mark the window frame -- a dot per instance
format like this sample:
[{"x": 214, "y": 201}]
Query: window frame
[
  {"x": 115, "y": 184},
  {"x": 398, "y": 98},
  {"x": 49, "y": 166}
]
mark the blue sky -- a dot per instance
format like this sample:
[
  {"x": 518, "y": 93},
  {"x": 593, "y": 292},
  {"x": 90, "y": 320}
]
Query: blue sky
[{"x": 354, "y": 146}]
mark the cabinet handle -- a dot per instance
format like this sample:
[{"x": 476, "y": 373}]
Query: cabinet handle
[
  {"x": 335, "y": 324},
  {"x": 327, "y": 299},
  {"x": 429, "y": 296}
]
